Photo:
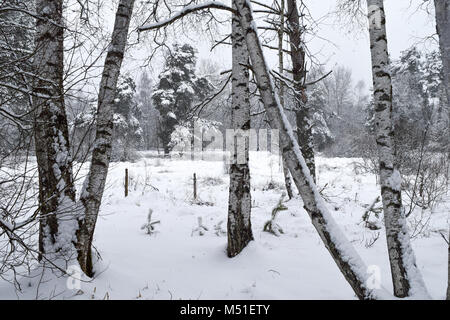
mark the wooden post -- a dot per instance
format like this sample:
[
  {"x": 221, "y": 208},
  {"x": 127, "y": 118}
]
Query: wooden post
[
  {"x": 126, "y": 182},
  {"x": 195, "y": 186}
]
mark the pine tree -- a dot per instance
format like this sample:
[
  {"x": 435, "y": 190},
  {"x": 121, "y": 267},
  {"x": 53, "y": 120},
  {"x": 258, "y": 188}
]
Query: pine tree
[
  {"x": 178, "y": 89},
  {"x": 128, "y": 133},
  {"x": 320, "y": 129},
  {"x": 149, "y": 119}
]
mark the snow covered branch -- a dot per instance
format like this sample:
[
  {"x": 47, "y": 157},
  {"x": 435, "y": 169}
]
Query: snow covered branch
[{"x": 185, "y": 11}]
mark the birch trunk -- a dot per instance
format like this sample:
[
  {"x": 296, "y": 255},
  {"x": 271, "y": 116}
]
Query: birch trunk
[
  {"x": 239, "y": 202},
  {"x": 405, "y": 275},
  {"x": 442, "y": 8},
  {"x": 286, "y": 174},
  {"x": 346, "y": 258},
  {"x": 303, "y": 114},
  {"x": 94, "y": 184},
  {"x": 56, "y": 189}
]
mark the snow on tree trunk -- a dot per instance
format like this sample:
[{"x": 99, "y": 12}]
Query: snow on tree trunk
[
  {"x": 442, "y": 8},
  {"x": 94, "y": 184},
  {"x": 405, "y": 274},
  {"x": 239, "y": 201},
  {"x": 287, "y": 177},
  {"x": 303, "y": 114},
  {"x": 58, "y": 222},
  {"x": 343, "y": 253},
  {"x": 286, "y": 174}
]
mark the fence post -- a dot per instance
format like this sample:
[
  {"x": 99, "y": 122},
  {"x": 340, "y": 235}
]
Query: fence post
[
  {"x": 126, "y": 182},
  {"x": 195, "y": 186}
]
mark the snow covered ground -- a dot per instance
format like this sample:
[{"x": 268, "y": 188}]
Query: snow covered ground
[{"x": 177, "y": 263}]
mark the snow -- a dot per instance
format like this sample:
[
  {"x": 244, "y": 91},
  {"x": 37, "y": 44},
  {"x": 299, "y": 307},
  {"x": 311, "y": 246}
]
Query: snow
[
  {"x": 395, "y": 181},
  {"x": 7, "y": 224},
  {"x": 173, "y": 263},
  {"x": 172, "y": 115},
  {"x": 119, "y": 120},
  {"x": 343, "y": 246},
  {"x": 185, "y": 87}
]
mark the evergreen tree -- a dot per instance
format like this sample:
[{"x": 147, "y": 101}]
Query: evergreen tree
[
  {"x": 149, "y": 119},
  {"x": 178, "y": 89},
  {"x": 320, "y": 130},
  {"x": 418, "y": 101},
  {"x": 128, "y": 134}
]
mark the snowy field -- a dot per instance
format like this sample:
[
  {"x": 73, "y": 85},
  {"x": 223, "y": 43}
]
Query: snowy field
[{"x": 178, "y": 263}]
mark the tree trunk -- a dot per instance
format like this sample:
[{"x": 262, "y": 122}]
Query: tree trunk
[
  {"x": 287, "y": 177},
  {"x": 347, "y": 259},
  {"x": 442, "y": 8},
  {"x": 193, "y": 139},
  {"x": 303, "y": 114},
  {"x": 286, "y": 174},
  {"x": 94, "y": 184},
  {"x": 56, "y": 189},
  {"x": 405, "y": 275},
  {"x": 239, "y": 202}
]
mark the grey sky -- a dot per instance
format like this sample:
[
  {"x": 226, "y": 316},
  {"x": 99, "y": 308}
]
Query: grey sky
[{"x": 407, "y": 25}]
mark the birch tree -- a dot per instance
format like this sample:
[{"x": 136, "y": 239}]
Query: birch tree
[
  {"x": 442, "y": 8},
  {"x": 239, "y": 201},
  {"x": 286, "y": 174},
  {"x": 239, "y": 209},
  {"x": 405, "y": 274},
  {"x": 346, "y": 258},
  {"x": 60, "y": 214},
  {"x": 94, "y": 184},
  {"x": 56, "y": 189}
]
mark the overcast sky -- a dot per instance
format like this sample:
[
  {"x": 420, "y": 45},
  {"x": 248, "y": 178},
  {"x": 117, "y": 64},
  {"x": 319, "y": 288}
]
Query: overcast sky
[{"x": 407, "y": 24}]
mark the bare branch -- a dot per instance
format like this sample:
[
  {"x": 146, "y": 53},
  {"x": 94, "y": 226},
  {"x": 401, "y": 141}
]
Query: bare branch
[{"x": 185, "y": 11}]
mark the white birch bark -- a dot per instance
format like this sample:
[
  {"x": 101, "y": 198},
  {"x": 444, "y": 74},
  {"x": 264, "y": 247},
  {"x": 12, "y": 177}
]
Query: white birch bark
[
  {"x": 94, "y": 184},
  {"x": 405, "y": 274},
  {"x": 346, "y": 258},
  {"x": 286, "y": 174},
  {"x": 442, "y": 8},
  {"x": 239, "y": 201},
  {"x": 56, "y": 190}
]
